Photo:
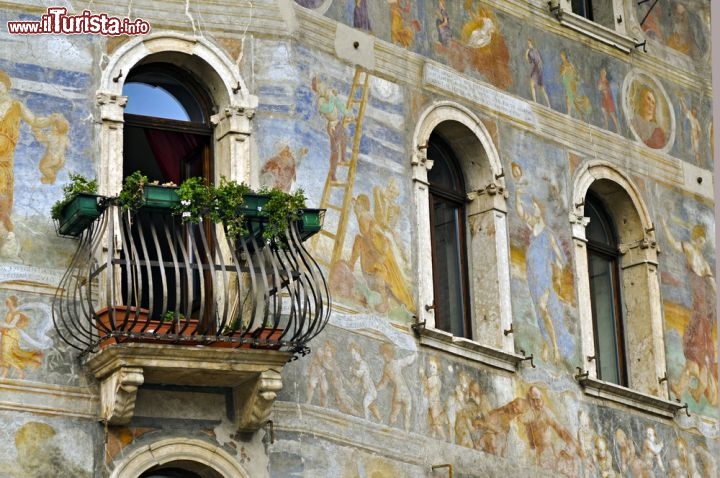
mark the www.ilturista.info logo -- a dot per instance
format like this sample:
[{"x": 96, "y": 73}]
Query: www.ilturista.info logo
[{"x": 57, "y": 21}]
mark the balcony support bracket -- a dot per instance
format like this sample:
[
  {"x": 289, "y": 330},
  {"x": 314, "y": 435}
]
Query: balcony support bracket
[
  {"x": 253, "y": 403},
  {"x": 118, "y": 392}
]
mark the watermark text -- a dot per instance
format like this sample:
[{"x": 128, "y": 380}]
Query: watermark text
[{"x": 57, "y": 21}]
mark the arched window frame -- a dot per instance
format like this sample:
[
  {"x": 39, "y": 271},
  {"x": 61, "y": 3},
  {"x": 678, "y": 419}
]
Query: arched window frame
[
  {"x": 487, "y": 238},
  {"x": 213, "y": 458},
  {"x": 231, "y": 110},
  {"x": 612, "y": 330},
  {"x": 640, "y": 290},
  {"x": 233, "y": 106}
]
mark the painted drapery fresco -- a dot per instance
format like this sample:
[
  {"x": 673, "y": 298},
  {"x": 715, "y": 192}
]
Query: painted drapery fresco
[
  {"x": 680, "y": 26},
  {"x": 691, "y": 321}
]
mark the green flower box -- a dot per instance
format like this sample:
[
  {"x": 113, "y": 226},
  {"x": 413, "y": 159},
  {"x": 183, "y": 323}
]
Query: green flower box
[
  {"x": 78, "y": 214},
  {"x": 160, "y": 197},
  {"x": 253, "y": 204},
  {"x": 311, "y": 223}
]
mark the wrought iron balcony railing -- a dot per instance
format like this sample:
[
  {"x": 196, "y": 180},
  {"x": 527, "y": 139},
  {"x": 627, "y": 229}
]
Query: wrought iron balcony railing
[{"x": 150, "y": 277}]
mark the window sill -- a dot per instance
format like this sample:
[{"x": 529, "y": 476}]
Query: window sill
[
  {"x": 469, "y": 349},
  {"x": 596, "y": 31},
  {"x": 631, "y": 398}
]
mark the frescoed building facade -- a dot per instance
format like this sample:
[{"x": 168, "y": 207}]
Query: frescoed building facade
[{"x": 518, "y": 239}]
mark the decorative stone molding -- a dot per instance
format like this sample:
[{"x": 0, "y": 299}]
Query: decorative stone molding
[
  {"x": 631, "y": 398},
  {"x": 112, "y": 106},
  {"x": 468, "y": 349},
  {"x": 232, "y": 120},
  {"x": 254, "y": 375},
  {"x": 118, "y": 392},
  {"x": 136, "y": 460},
  {"x": 618, "y": 39}
]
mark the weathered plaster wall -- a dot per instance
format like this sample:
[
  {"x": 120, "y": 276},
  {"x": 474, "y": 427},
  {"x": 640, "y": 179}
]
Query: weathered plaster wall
[{"x": 369, "y": 401}]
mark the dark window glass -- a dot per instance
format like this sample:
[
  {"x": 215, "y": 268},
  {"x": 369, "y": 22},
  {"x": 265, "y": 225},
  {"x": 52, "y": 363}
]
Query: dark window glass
[
  {"x": 447, "y": 222},
  {"x": 603, "y": 271},
  {"x": 599, "y": 11}
]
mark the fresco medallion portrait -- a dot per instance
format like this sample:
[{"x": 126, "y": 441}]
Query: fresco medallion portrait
[{"x": 649, "y": 112}]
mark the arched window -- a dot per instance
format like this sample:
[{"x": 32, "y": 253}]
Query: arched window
[
  {"x": 167, "y": 124},
  {"x": 166, "y": 137},
  {"x": 619, "y": 306},
  {"x": 604, "y": 278},
  {"x": 448, "y": 236}
]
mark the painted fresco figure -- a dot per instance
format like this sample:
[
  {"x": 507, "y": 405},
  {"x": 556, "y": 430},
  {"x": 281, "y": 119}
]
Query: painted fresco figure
[
  {"x": 363, "y": 380},
  {"x": 603, "y": 459},
  {"x": 432, "y": 386},
  {"x": 607, "y": 102},
  {"x": 455, "y": 404},
  {"x": 400, "y": 33},
  {"x": 631, "y": 465},
  {"x": 392, "y": 377},
  {"x": 442, "y": 23},
  {"x": 645, "y": 120},
  {"x": 12, "y": 112},
  {"x": 379, "y": 266},
  {"x": 324, "y": 374},
  {"x": 333, "y": 109},
  {"x": 695, "y": 128},
  {"x": 361, "y": 17},
  {"x": 537, "y": 74},
  {"x": 280, "y": 170},
  {"x": 543, "y": 259},
  {"x": 651, "y": 450},
  {"x": 540, "y": 430},
  {"x": 681, "y": 37},
  {"x": 486, "y": 47},
  {"x": 388, "y": 213},
  {"x": 540, "y": 427},
  {"x": 493, "y": 427},
  {"x": 55, "y": 138},
  {"x": 698, "y": 346},
  {"x": 586, "y": 438},
  {"x": 574, "y": 101},
  {"x": 12, "y": 355},
  {"x": 652, "y": 27}
]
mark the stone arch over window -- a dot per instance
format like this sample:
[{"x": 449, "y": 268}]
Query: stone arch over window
[
  {"x": 199, "y": 457},
  {"x": 232, "y": 105},
  {"x": 638, "y": 274},
  {"x": 485, "y": 220}
]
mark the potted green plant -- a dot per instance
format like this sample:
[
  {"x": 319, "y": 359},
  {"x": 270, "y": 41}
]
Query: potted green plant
[
  {"x": 264, "y": 215},
  {"x": 281, "y": 209},
  {"x": 230, "y": 200},
  {"x": 79, "y": 206},
  {"x": 138, "y": 191}
]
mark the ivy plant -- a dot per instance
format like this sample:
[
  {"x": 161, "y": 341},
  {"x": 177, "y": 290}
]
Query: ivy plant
[
  {"x": 281, "y": 209},
  {"x": 131, "y": 195}
]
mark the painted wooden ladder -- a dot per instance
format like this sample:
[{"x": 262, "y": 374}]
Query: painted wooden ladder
[{"x": 355, "y": 112}]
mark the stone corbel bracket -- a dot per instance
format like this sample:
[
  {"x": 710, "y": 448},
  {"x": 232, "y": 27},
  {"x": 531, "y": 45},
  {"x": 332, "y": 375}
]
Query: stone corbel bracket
[
  {"x": 254, "y": 375},
  {"x": 253, "y": 402},
  {"x": 118, "y": 392}
]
